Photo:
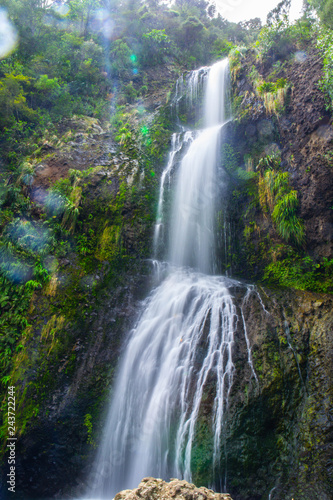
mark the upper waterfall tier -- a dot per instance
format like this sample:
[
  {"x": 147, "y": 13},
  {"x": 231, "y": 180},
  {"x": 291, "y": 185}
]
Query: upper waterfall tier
[
  {"x": 217, "y": 99},
  {"x": 191, "y": 241}
]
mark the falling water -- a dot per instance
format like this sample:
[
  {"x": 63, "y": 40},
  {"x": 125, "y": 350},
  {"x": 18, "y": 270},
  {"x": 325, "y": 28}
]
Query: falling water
[
  {"x": 178, "y": 140},
  {"x": 189, "y": 88},
  {"x": 192, "y": 218},
  {"x": 180, "y": 351},
  {"x": 162, "y": 378}
]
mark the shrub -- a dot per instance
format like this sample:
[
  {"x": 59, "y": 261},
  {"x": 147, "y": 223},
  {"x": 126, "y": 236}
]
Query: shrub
[
  {"x": 274, "y": 95},
  {"x": 325, "y": 44},
  {"x": 278, "y": 199}
]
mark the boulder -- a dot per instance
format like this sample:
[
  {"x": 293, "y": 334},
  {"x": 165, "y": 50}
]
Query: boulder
[{"x": 156, "y": 489}]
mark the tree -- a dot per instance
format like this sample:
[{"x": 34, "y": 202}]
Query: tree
[
  {"x": 324, "y": 10},
  {"x": 280, "y": 12},
  {"x": 192, "y": 27},
  {"x": 82, "y": 11},
  {"x": 157, "y": 44},
  {"x": 121, "y": 57}
]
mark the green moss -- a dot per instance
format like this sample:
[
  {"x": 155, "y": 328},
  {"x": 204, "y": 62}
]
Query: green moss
[
  {"x": 202, "y": 452},
  {"x": 89, "y": 427},
  {"x": 109, "y": 245},
  {"x": 302, "y": 273}
]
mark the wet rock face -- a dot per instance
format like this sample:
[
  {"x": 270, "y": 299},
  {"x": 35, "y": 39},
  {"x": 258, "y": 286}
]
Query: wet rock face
[
  {"x": 307, "y": 143},
  {"x": 278, "y": 431},
  {"x": 303, "y": 135},
  {"x": 156, "y": 489}
]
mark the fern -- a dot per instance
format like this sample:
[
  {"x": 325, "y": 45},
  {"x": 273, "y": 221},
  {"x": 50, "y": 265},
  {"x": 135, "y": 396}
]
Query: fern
[
  {"x": 289, "y": 227},
  {"x": 277, "y": 198}
]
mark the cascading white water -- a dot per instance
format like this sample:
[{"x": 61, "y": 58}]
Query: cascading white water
[
  {"x": 180, "y": 352},
  {"x": 192, "y": 218},
  {"x": 183, "y": 338},
  {"x": 189, "y": 88},
  {"x": 177, "y": 143}
]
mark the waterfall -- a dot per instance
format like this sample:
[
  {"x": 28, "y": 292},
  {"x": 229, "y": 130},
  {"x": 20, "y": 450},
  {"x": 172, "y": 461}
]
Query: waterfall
[
  {"x": 162, "y": 378},
  {"x": 178, "y": 140},
  {"x": 180, "y": 352},
  {"x": 192, "y": 217}
]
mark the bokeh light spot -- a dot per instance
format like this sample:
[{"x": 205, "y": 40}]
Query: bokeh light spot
[
  {"x": 61, "y": 9},
  {"x": 14, "y": 268},
  {"x": 28, "y": 236},
  {"x": 133, "y": 58},
  {"x": 300, "y": 56}
]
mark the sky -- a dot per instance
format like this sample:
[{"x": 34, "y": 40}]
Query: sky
[{"x": 243, "y": 10}]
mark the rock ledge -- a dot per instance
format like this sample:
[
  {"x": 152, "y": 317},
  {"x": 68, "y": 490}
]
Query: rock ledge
[{"x": 156, "y": 489}]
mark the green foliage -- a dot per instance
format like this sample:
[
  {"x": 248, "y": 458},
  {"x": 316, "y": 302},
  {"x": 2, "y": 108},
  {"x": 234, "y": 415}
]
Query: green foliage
[
  {"x": 279, "y": 13},
  {"x": 121, "y": 57},
  {"x": 230, "y": 158},
  {"x": 279, "y": 39},
  {"x": 221, "y": 48},
  {"x": 15, "y": 298},
  {"x": 13, "y": 102},
  {"x": 124, "y": 136},
  {"x": 202, "y": 450},
  {"x": 129, "y": 92},
  {"x": 192, "y": 28},
  {"x": 265, "y": 87},
  {"x": 274, "y": 95},
  {"x": 89, "y": 428},
  {"x": 324, "y": 9},
  {"x": 109, "y": 246},
  {"x": 289, "y": 269},
  {"x": 277, "y": 198},
  {"x": 236, "y": 56},
  {"x": 156, "y": 45},
  {"x": 63, "y": 201},
  {"x": 325, "y": 44},
  {"x": 45, "y": 83},
  {"x": 289, "y": 227}
]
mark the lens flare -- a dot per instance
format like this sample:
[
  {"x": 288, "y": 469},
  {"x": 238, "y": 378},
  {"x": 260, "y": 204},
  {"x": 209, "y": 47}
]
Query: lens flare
[
  {"x": 14, "y": 269},
  {"x": 300, "y": 56},
  {"x": 103, "y": 22},
  {"x": 8, "y": 35},
  {"x": 55, "y": 203},
  {"x": 61, "y": 9},
  {"x": 28, "y": 236},
  {"x": 50, "y": 263}
]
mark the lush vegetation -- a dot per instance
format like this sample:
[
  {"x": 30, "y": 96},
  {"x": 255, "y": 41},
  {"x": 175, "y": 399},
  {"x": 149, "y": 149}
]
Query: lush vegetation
[
  {"x": 274, "y": 235},
  {"x": 83, "y": 58},
  {"x": 80, "y": 56},
  {"x": 105, "y": 60}
]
